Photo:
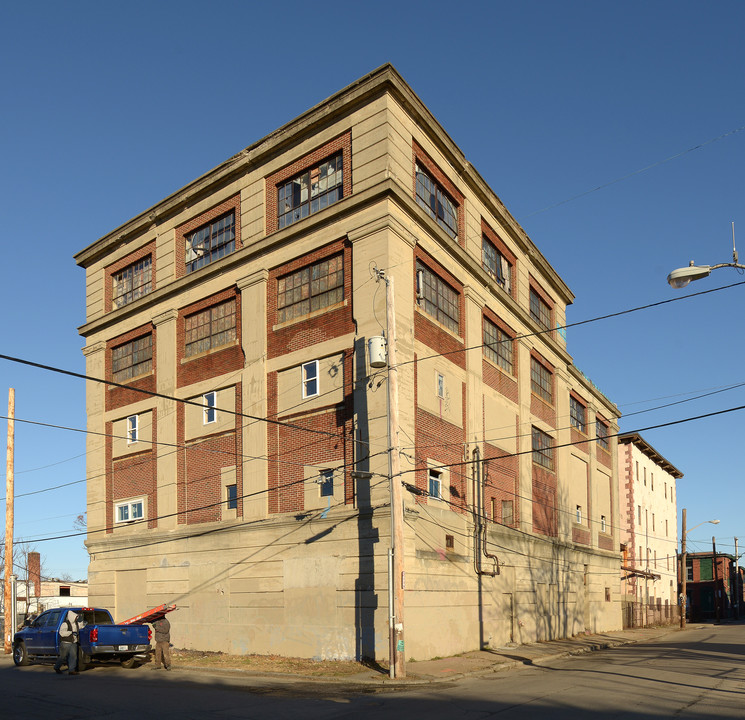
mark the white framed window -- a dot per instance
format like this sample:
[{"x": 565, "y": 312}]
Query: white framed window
[
  {"x": 440, "y": 385},
  {"x": 603, "y": 525},
  {"x": 309, "y": 373},
  {"x": 129, "y": 511},
  {"x": 435, "y": 483},
  {"x": 578, "y": 517},
  {"x": 232, "y": 496},
  {"x": 133, "y": 429},
  {"x": 210, "y": 407}
]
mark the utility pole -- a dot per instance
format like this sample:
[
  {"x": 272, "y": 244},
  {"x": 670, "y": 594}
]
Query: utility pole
[
  {"x": 396, "y": 621},
  {"x": 717, "y": 593},
  {"x": 738, "y": 591},
  {"x": 683, "y": 574},
  {"x": 9, "y": 605}
]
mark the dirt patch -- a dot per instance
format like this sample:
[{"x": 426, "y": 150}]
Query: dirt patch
[{"x": 269, "y": 663}]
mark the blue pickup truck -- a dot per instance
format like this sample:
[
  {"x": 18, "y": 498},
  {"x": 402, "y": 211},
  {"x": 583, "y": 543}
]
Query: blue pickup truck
[{"x": 100, "y": 639}]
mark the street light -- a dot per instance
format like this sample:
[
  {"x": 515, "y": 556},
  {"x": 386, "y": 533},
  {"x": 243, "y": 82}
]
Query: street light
[
  {"x": 683, "y": 568},
  {"x": 682, "y": 276}
]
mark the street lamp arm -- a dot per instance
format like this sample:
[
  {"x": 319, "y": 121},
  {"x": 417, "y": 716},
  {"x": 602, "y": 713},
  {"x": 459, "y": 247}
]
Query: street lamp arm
[{"x": 712, "y": 522}]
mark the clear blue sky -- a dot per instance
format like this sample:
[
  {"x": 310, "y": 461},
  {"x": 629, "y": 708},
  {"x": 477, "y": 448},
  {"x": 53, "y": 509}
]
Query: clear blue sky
[{"x": 107, "y": 108}]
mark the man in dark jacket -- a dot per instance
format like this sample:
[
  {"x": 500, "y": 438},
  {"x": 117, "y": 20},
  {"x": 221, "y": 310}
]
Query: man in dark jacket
[
  {"x": 162, "y": 630},
  {"x": 68, "y": 643}
]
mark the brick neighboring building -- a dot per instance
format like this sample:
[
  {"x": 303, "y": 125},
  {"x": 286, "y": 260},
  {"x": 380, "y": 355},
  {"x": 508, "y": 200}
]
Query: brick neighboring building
[
  {"x": 244, "y": 471},
  {"x": 649, "y": 532},
  {"x": 712, "y": 587}
]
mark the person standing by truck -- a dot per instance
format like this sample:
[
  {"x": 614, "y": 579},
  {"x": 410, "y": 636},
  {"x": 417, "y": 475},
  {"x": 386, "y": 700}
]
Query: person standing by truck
[
  {"x": 68, "y": 643},
  {"x": 162, "y": 643}
]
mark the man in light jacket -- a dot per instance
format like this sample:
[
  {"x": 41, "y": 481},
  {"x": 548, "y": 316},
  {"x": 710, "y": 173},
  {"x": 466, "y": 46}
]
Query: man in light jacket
[{"x": 68, "y": 643}]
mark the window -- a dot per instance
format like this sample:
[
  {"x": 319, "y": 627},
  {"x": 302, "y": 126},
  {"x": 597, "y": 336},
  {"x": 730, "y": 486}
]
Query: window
[
  {"x": 437, "y": 298},
  {"x": 541, "y": 380},
  {"x": 496, "y": 264},
  {"x": 577, "y": 414},
  {"x": 689, "y": 569},
  {"x": 578, "y": 515},
  {"x": 313, "y": 288},
  {"x": 435, "y": 483},
  {"x": 666, "y": 532},
  {"x": 498, "y": 346},
  {"x": 540, "y": 311},
  {"x": 132, "y": 282},
  {"x": 655, "y": 559},
  {"x": 309, "y": 372},
  {"x": 210, "y": 328},
  {"x": 132, "y": 359},
  {"x": 440, "y": 385},
  {"x": 232, "y": 496},
  {"x": 652, "y": 522},
  {"x": 129, "y": 511},
  {"x": 543, "y": 451},
  {"x": 508, "y": 515},
  {"x": 210, "y": 410},
  {"x": 326, "y": 481},
  {"x": 651, "y": 481},
  {"x": 603, "y": 524},
  {"x": 311, "y": 191},
  {"x": 637, "y": 470},
  {"x": 640, "y": 514},
  {"x": 210, "y": 242},
  {"x": 64, "y": 591},
  {"x": 438, "y": 204},
  {"x": 132, "y": 429},
  {"x": 645, "y": 477},
  {"x": 601, "y": 430}
]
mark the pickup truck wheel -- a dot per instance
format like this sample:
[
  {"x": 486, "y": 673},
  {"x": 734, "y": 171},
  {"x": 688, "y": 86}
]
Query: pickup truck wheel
[
  {"x": 20, "y": 656},
  {"x": 128, "y": 663},
  {"x": 83, "y": 660}
]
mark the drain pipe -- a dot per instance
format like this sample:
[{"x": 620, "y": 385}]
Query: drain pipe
[{"x": 479, "y": 525}]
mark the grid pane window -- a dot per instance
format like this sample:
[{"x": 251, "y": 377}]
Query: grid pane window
[
  {"x": 210, "y": 242},
  {"x": 539, "y": 310},
  {"x": 132, "y": 282},
  {"x": 496, "y": 264},
  {"x": 508, "y": 517},
  {"x": 311, "y": 191},
  {"x": 210, "y": 328},
  {"x": 132, "y": 359},
  {"x": 438, "y": 204},
  {"x": 438, "y": 299},
  {"x": 310, "y": 378},
  {"x": 313, "y": 288},
  {"x": 602, "y": 432},
  {"x": 541, "y": 380},
  {"x": 577, "y": 414},
  {"x": 498, "y": 346},
  {"x": 543, "y": 452}
]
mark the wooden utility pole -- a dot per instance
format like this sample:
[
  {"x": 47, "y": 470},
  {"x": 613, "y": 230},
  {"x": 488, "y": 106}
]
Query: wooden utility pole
[
  {"x": 717, "y": 592},
  {"x": 396, "y": 629},
  {"x": 683, "y": 574},
  {"x": 738, "y": 590},
  {"x": 9, "y": 495}
]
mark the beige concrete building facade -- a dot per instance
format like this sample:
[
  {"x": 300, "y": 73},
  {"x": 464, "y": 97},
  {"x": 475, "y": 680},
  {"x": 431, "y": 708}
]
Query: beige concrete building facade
[{"x": 240, "y": 468}]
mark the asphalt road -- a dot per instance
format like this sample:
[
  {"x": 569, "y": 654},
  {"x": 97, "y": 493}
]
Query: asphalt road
[{"x": 699, "y": 673}]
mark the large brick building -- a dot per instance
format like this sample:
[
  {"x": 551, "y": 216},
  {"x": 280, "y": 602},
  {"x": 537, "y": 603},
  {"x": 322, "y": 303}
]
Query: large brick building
[{"x": 240, "y": 462}]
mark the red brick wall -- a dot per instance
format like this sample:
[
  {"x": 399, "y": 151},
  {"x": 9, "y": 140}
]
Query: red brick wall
[
  {"x": 319, "y": 155},
  {"x": 132, "y": 476},
  {"x": 200, "y": 462},
  {"x": 291, "y": 446},
  {"x": 233, "y": 203},
  {"x": 117, "y": 397},
  {"x": 418, "y": 155},
  {"x": 305, "y": 332},
  {"x": 229, "y": 358},
  {"x": 114, "y": 268},
  {"x": 544, "y": 501},
  {"x": 581, "y": 536},
  {"x": 501, "y": 481}
]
